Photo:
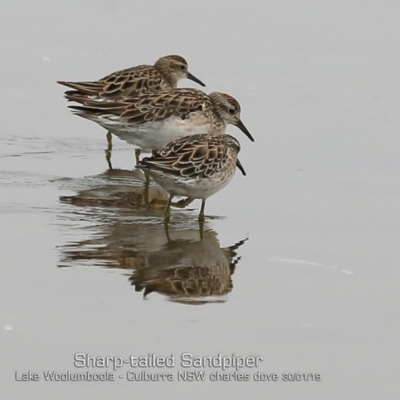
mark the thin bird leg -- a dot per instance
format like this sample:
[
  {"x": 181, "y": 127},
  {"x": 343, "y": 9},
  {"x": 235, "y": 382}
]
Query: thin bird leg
[
  {"x": 137, "y": 155},
  {"x": 167, "y": 214},
  {"x": 109, "y": 140},
  {"x": 166, "y": 227},
  {"x": 109, "y": 149},
  {"x": 201, "y": 228},
  {"x": 146, "y": 194},
  {"x": 201, "y": 215},
  {"x": 108, "y": 159}
]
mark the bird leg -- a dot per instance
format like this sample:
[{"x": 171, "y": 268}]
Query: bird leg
[
  {"x": 201, "y": 215},
  {"x": 167, "y": 214},
  {"x": 109, "y": 149},
  {"x": 109, "y": 140},
  {"x": 146, "y": 194},
  {"x": 201, "y": 228},
  {"x": 137, "y": 155},
  {"x": 166, "y": 227}
]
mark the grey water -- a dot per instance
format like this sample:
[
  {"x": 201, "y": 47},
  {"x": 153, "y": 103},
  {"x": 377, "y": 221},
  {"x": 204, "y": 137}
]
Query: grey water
[{"x": 298, "y": 263}]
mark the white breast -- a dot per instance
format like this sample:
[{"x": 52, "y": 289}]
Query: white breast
[{"x": 155, "y": 135}]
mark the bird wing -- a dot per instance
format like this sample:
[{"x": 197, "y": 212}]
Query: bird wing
[
  {"x": 149, "y": 107},
  {"x": 190, "y": 157},
  {"x": 121, "y": 84}
]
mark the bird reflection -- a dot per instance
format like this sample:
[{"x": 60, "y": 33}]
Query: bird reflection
[
  {"x": 183, "y": 261},
  {"x": 189, "y": 270}
]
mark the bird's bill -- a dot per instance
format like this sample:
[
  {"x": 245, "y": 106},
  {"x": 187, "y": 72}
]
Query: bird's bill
[
  {"x": 194, "y": 79},
  {"x": 240, "y": 166},
  {"x": 242, "y": 127}
]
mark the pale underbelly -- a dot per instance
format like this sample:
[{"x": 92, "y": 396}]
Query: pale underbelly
[
  {"x": 195, "y": 188},
  {"x": 156, "y": 135}
]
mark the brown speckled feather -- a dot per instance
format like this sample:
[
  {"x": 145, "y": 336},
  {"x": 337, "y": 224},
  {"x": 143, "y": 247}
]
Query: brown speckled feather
[
  {"x": 124, "y": 83},
  {"x": 164, "y": 74},
  {"x": 147, "y": 107},
  {"x": 193, "y": 156}
]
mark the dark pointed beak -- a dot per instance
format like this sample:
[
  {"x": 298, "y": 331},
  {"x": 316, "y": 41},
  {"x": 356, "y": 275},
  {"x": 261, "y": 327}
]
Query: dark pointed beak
[
  {"x": 241, "y": 126},
  {"x": 240, "y": 166},
  {"x": 194, "y": 79}
]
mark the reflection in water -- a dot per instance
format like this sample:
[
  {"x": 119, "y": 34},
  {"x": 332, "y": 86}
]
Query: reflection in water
[
  {"x": 188, "y": 270},
  {"x": 183, "y": 260}
]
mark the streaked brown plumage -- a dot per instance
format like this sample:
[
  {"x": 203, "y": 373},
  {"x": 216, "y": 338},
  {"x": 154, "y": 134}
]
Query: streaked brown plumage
[
  {"x": 164, "y": 74},
  {"x": 152, "y": 120},
  {"x": 195, "y": 166},
  {"x": 189, "y": 271}
]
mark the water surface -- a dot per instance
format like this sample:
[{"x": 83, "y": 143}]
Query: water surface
[{"x": 298, "y": 261}]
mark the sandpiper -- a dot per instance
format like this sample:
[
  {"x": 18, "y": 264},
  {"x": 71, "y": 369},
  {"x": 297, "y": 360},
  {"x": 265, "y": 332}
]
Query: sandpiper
[
  {"x": 164, "y": 74},
  {"x": 152, "y": 120},
  {"x": 196, "y": 166}
]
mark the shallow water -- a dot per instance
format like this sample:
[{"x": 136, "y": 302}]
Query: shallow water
[{"x": 298, "y": 261}]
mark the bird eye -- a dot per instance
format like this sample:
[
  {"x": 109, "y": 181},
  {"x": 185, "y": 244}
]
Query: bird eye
[
  {"x": 183, "y": 67},
  {"x": 231, "y": 111}
]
